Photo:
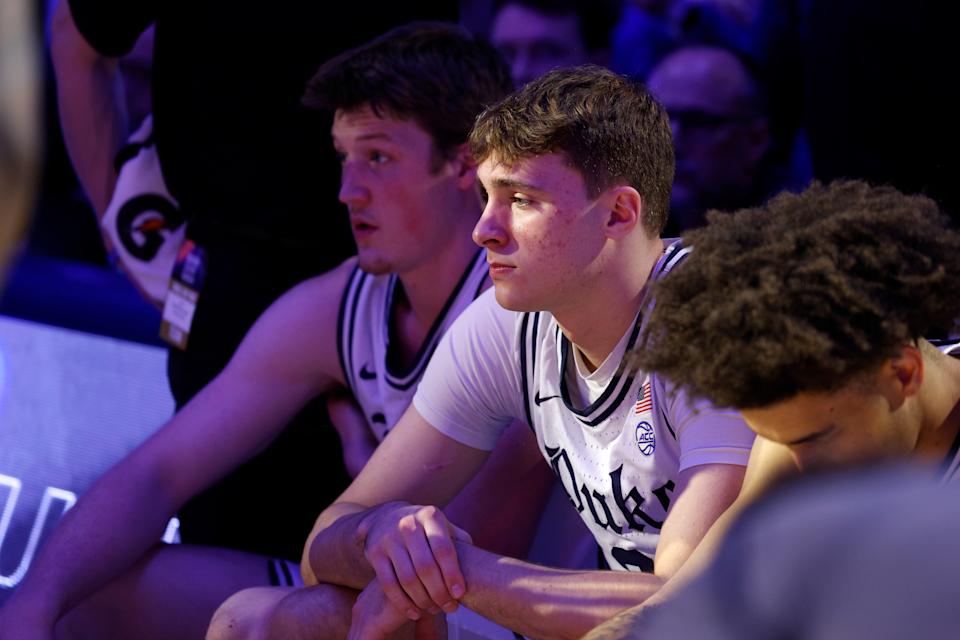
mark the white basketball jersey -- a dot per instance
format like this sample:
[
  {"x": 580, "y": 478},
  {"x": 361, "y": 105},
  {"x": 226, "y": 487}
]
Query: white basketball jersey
[
  {"x": 616, "y": 458},
  {"x": 951, "y": 463},
  {"x": 382, "y": 388}
]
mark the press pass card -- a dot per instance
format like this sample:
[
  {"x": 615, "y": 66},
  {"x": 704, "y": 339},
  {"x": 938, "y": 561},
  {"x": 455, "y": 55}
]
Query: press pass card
[{"x": 186, "y": 283}]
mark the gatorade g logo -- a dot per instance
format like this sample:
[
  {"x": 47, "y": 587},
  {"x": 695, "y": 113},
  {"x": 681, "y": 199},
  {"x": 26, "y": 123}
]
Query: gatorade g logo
[{"x": 144, "y": 222}]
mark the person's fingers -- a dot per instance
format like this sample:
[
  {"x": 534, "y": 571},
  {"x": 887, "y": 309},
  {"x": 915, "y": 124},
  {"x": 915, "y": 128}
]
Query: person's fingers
[
  {"x": 415, "y": 560},
  {"x": 421, "y": 550},
  {"x": 409, "y": 559},
  {"x": 373, "y": 615},
  {"x": 382, "y": 564},
  {"x": 437, "y": 531}
]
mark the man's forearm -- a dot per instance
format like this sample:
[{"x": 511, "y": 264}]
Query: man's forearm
[
  {"x": 631, "y": 623},
  {"x": 113, "y": 524},
  {"x": 335, "y": 554},
  {"x": 541, "y": 602}
]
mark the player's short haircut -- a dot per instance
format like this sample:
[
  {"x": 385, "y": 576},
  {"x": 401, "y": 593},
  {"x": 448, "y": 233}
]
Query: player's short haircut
[
  {"x": 434, "y": 73},
  {"x": 807, "y": 293},
  {"x": 608, "y": 126}
]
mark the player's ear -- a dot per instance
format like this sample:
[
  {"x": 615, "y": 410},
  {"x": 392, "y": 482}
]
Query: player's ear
[
  {"x": 464, "y": 167},
  {"x": 901, "y": 376},
  {"x": 623, "y": 207}
]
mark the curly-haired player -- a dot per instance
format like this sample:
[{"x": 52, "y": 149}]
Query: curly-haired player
[
  {"x": 806, "y": 294},
  {"x": 811, "y": 315}
]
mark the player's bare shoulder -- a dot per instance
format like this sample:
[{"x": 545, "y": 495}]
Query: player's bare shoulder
[
  {"x": 320, "y": 294},
  {"x": 297, "y": 335},
  {"x": 770, "y": 463}
]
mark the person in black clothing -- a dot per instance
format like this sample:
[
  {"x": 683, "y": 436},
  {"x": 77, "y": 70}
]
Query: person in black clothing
[
  {"x": 409, "y": 183},
  {"x": 247, "y": 165}
]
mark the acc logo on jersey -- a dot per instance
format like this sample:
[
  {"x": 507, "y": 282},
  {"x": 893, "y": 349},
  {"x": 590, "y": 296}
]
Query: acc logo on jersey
[{"x": 646, "y": 440}]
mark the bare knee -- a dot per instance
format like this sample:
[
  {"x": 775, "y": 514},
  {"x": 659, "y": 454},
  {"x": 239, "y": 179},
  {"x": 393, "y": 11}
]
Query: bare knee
[
  {"x": 313, "y": 613},
  {"x": 243, "y": 615}
]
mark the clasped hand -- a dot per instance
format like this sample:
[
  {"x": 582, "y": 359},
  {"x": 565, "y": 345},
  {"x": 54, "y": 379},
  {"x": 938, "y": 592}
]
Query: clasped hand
[
  {"x": 411, "y": 549},
  {"x": 374, "y": 618}
]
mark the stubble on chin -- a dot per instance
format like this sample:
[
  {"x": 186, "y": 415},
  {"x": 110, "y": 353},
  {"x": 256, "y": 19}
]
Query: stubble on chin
[{"x": 373, "y": 264}]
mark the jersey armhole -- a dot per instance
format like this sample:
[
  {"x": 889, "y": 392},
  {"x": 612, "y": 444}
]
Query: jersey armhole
[{"x": 346, "y": 323}]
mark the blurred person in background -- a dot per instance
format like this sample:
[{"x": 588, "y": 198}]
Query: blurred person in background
[
  {"x": 648, "y": 30},
  {"x": 718, "y": 113},
  {"x": 536, "y": 36},
  {"x": 813, "y": 561},
  {"x": 19, "y": 124}
]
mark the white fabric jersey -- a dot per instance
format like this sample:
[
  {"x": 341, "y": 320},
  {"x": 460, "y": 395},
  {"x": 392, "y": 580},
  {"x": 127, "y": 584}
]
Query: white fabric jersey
[
  {"x": 951, "y": 463},
  {"x": 143, "y": 222},
  {"x": 618, "y": 457},
  {"x": 381, "y": 388}
]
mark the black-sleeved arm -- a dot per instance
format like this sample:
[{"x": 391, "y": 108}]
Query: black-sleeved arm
[{"x": 112, "y": 27}]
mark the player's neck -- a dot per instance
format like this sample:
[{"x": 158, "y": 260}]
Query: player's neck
[
  {"x": 597, "y": 320},
  {"x": 424, "y": 290},
  {"x": 942, "y": 406}
]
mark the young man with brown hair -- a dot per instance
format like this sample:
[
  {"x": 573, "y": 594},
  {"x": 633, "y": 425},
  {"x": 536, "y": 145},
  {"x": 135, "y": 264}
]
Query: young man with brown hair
[
  {"x": 576, "y": 169},
  {"x": 366, "y": 328},
  {"x": 811, "y": 315}
]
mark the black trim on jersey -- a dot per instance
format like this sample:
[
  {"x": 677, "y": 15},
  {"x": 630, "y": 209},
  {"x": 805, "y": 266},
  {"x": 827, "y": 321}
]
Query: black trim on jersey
[
  {"x": 388, "y": 304},
  {"x": 286, "y": 573},
  {"x": 663, "y": 414},
  {"x": 279, "y": 573},
  {"x": 534, "y": 332},
  {"x": 947, "y": 347},
  {"x": 602, "y": 563},
  {"x": 565, "y": 348},
  {"x": 351, "y": 289},
  {"x": 533, "y": 364},
  {"x": 403, "y": 380},
  {"x": 358, "y": 289},
  {"x": 524, "y": 382},
  {"x": 613, "y": 405},
  {"x": 672, "y": 256},
  {"x": 671, "y": 253},
  {"x": 951, "y": 456},
  {"x": 620, "y": 384},
  {"x": 130, "y": 150}
]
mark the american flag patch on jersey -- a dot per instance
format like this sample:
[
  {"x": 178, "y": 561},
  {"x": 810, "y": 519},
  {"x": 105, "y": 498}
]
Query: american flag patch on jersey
[{"x": 645, "y": 401}]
